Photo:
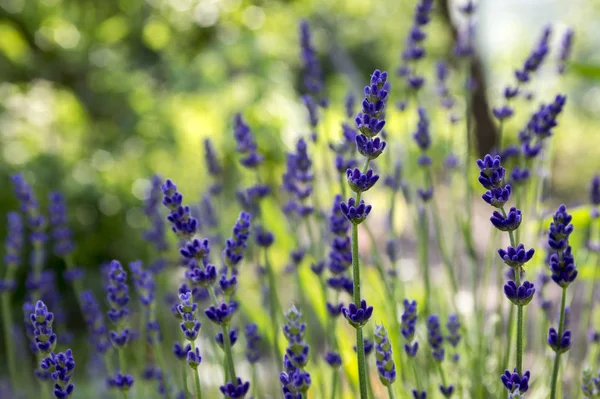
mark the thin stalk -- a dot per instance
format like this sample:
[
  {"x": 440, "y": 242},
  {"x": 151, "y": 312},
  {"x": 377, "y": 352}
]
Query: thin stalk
[
  {"x": 254, "y": 381},
  {"x": 369, "y": 385},
  {"x": 391, "y": 392},
  {"x": 228, "y": 355},
  {"x": 334, "y": 383},
  {"x": 274, "y": 309},
  {"x": 161, "y": 363},
  {"x": 8, "y": 340},
  {"x": 443, "y": 252},
  {"x": 561, "y": 327},
  {"x": 186, "y": 392},
  {"x": 122, "y": 366},
  {"x": 360, "y": 345},
  {"x": 423, "y": 257},
  {"x": 197, "y": 376}
]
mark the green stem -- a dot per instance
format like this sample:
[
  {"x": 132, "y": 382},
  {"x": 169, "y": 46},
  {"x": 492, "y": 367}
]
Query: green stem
[
  {"x": 414, "y": 367},
  {"x": 161, "y": 363},
  {"x": 561, "y": 327},
  {"x": 444, "y": 253},
  {"x": 184, "y": 381},
  {"x": 228, "y": 355},
  {"x": 8, "y": 341},
  {"x": 511, "y": 317},
  {"x": 334, "y": 382},
  {"x": 274, "y": 308},
  {"x": 122, "y": 366},
  {"x": 391, "y": 392},
  {"x": 254, "y": 381},
  {"x": 360, "y": 348},
  {"x": 197, "y": 376},
  {"x": 423, "y": 256}
]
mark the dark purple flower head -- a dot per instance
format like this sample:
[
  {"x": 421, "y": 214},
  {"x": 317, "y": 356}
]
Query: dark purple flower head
[
  {"x": 520, "y": 295},
  {"x": 222, "y": 313},
  {"x": 435, "y": 338},
  {"x": 369, "y": 148},
  {"x": 409, "y": 320},
  {"x": 491, "y": 173},
  {"x": 122, "y": 382},
  {"x": 386, "y": 367},
  {"x": 502, "y": 113},
  {"x": 92, "y": 315},
  {"x": 61, "y": 233},
  {"x": 560, "y": 229},
  {"x": 182, "y": 222},
  {"x": 453, "y": 327},
  {"x": 349, "y": 103},
  {"x": 190, "y": 326},
  {"x": 497, "y": 197},
  {"x": 355, "y": 213},
  {"x": 204, "y": 276},
  {"x": 212, "y": 162},
  {"x": 235, "y": 391},
  {"x": 143, "y": 282},
  {"x": 253, "y": 340},
  {"x": 535, "y": 59},
  {"x": 595, "y": 190},
  {"x": 559, "y": 344},
  {"x": 447, "y": 391},
  {"x": 370, "y": 120},
  {"x": 235, "y": 246},
  {"x": 513, "y": 381},
  {"x": 360, "y": 182},
  {"x": 41, "y": 320},
  {"x": 318, "y": 268},
  {"x": 117, "y": 295},
  {"x": 518, "y": 175},
  {"x": 468, "y": 8},
  {"x": 516, "y": 257},
  {"x": 233, "y": 336},
  {"x": 180, "y": 351},
  {"x": 333, "y": 359},
  {"x": 246, "y": 145},
  {"x": 263, "y": 237},
  {"x": 510, "y": 222},
  {"x": 313, "y": 75},
  {"x": 14, "y": 242},
  {"x": 419, "y": 394},
  {"x": 358, "y": 316},
  {"x": 421, "y": 136},
  {"x": 60, "y": 367},
  {"x": 566, "y": 45},
  {"x": 193, "y": 358},
  {"x": 311, "y": 107},
  {"x": 426, "y": 194}
]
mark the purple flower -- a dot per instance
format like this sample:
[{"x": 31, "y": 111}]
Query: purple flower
[
  {"x": 559, "y": 344},
  {"x": 190, "y": 326},
  {"x": 233, "y": 336},
  {"x": 222, "y": 313},
  {"x": 561, "y": 260},
  {"x": 246, "y": 145},
  {"x": 386, "y": 367},
  {"x": 521, "y": 295},
  {"x": 212, "y": 162},
  {"x": 61, "y": 233},
  {"x": 333, "y": 359},
  {"x": 355, "y": 213},
  {"x": 502, "y": 113},
  {"x": 235, "y": 246},
  {"x": 263, "y": 237},
  {"x": 92, "y": 315},
  {"x": 253, "y": 340},
  {"x": 180, "y": 351},
  {"x": 513, "y": 381},
  {"x": 121, "y": 382},
  {"x": 491, "y": 173},
  {"x": 421, "y": 136},
  {"x": 435, "y": 338},
  {"x": 360, "y": 182},
  {"x": 313, "y": 75},
  {"x": 594, "y": 191},
  {"x": 193, "y": 358},
  {"x": 61, "y": 367},
  {"x": 497, "y": 197},
  {"x": 510, "y": 222},
  {"x": 409, "y": 320},
  {"x": 516, "y": 257},
  {"x": 357, "y": 316},
  {"x": 419, "y": 394},
  {"x": 566, "y": 45},
  {"x": 369, "y": 148},
  {"x": 535, "y": 59},
  {"x": 41, "y": 320},
  {"x": 235, "y": 391}
]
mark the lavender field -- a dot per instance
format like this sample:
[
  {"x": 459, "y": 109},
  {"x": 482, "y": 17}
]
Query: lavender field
[{"x": 232, "y": 199}]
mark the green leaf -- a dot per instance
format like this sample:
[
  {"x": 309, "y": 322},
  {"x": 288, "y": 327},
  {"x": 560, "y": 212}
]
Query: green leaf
[{"x": 591, "y": 71}]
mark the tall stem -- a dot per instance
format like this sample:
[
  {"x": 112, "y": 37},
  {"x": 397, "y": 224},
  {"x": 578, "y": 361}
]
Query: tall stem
[
  {"x": 424, "y": 256},
  {"x": 391, "y": 392},
  {"x": 334, "y": 382},
  {"x": 561, "y": 327},
  {"x": 8, "y": 341},
  {"x": 197, "y": 377},
  {"x": 122, "y": 366},
  {"x": 186, "y": 392},
  {"x": 274, "y": 309},
  {"x": 228, "y": 355},
  {"x": 360, "y": 345}
]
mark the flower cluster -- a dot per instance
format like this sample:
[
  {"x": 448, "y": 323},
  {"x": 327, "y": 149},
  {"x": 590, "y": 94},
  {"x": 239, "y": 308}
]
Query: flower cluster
[
  {"x": 423, "y": 140},
  {"x": 453, "y": 337},
  {"x": 566, "y": 45},
  {"x": 295, "y": 380},
  {"x": 386, "y": 367},
  {"x": 313, "y": 75},
  {"x": 97, "y": 330},
  {"x": 297, "y": 181},
  {"x": 213, "y": 166},
  {"x": 561, "y": 260},
  {"x": 414, "y": 50},
  {"x": 535, "y": 58},
  {"x": 246, "y": 145},
  {"x": 340, "y": 251},
  {"x": 61, "y": 233},
  {"x": 408, "y": 327},
  {"x": 540, "y": 125},
  {"x": 13, "y": 247},
  {"x": 155, "y": 234},
  {"x": 253, "y": 340}
]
